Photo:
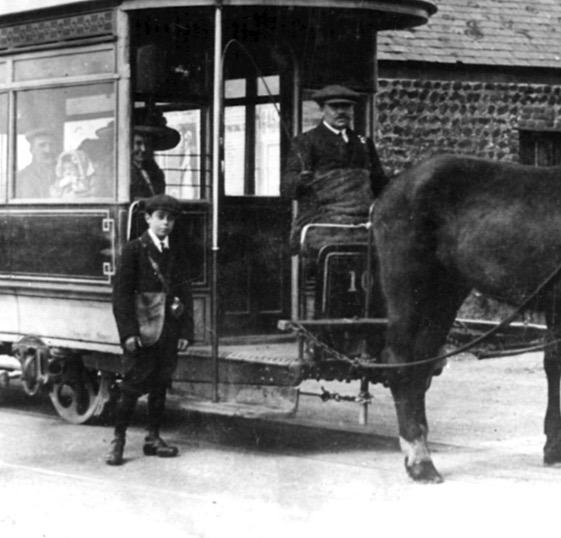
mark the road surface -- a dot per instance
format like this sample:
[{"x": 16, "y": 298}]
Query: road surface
[{"x": 318, "y": 475}]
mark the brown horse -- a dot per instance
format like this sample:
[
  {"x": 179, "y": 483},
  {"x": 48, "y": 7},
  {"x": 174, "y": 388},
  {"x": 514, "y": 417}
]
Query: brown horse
[{"x": 444, "y": 227}]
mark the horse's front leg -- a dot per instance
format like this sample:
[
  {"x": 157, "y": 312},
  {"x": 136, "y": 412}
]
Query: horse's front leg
[
  {"x": 409, "y": 398},
  {"x": 552, "y": 423}
]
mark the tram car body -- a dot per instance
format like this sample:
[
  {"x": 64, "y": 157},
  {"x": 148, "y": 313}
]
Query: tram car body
[{"x": 234, "y": 78}]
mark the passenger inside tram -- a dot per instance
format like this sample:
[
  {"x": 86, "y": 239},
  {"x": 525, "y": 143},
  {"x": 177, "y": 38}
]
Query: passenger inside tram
[
  {"x": 75, "y": 176},
  {"x": 37, "y": 178},
  {"x": 151, "y": 134},
  {"x": 101, "y": 151}
]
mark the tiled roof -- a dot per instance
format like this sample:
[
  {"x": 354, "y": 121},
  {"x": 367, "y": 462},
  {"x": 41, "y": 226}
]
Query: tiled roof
[{"x": 482, "y": 32}]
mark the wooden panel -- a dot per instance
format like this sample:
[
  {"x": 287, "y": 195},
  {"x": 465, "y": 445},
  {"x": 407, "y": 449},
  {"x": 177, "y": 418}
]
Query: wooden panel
[
  {"x": 254, "y": 279},
  {"x": 61, "y": 244}
]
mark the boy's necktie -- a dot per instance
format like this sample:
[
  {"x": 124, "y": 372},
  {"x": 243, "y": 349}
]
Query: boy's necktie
[{"x": 165, "y": 253}]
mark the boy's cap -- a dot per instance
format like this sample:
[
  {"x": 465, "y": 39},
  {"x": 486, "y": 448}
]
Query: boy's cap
[
  {"x": 335, "y": 94},
  {"x": 162, "y": 201}
]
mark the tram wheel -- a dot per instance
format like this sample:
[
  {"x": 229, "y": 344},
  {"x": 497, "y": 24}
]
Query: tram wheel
[{"x": 83, "y": 399}]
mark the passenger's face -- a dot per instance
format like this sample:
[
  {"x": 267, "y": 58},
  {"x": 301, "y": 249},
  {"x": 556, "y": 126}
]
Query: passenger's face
[
  {"x": 338, "y": 115},
  {"x": 42, "y": 149},
  {"x": 142, "y": 149},
  {"x": 70, "y": 172},
  {"x": 161, "y": 222}
]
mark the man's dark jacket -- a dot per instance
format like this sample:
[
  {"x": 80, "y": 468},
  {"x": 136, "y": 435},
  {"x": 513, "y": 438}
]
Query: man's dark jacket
[
  {"x": 345, "y": 177},
  {"x": 135, "y": 274}
]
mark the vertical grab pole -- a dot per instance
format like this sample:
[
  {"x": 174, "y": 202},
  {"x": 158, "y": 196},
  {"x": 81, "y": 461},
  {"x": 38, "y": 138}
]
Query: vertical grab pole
[
  {"x": 216, "y": 173},
  {"x": 363, "y": 413}
]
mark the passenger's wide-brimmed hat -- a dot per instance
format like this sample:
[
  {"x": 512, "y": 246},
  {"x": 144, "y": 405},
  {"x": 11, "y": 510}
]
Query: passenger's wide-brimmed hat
[
  {"x": 335, "y": 94},
  {"x": 162, "y": 201},
  {"x": 107, "y": 131},
  {"x": 39, "y": 131},
  {"x": 153, "y": 124}
]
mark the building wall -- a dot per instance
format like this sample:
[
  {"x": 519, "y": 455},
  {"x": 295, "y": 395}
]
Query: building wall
[{"x": 420, "y": 118}]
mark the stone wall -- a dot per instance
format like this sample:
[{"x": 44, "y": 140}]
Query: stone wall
[{"x": 420, "y": 118}]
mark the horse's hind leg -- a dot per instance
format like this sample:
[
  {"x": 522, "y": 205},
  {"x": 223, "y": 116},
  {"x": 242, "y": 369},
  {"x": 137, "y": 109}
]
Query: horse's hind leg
[{"x": 552, "y": 423}]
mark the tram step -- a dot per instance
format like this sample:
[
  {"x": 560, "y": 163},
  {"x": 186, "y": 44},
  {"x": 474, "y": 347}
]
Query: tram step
[
  {"x": 247, "y": 366},
  {"x": 247, "y": 401},
  {"x": 347, "y": 324}
]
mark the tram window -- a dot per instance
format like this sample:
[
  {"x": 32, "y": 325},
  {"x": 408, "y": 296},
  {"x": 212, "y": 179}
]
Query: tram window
[
  {"x": 235, "y": 88},
  {"x": 268, "y": 86},
  {"x": 3, "y": 139},
  {"x": 67, "y": 65},
  {"x": 311, "y": 114},
  {"x": 234, "y": 126},
  {"x": 252, "y": 137},
  {"x": 59, "y": 126},
  {"x": 3, "y": 73},
  {"x": 267, "y": 150},
  {"x": 182, "y": 165}
]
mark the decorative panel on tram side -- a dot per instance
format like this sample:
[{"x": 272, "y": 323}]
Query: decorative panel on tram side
[{"x": 74, "y": 245}]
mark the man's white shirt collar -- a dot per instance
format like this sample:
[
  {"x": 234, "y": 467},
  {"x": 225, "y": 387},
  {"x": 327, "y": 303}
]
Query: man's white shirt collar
[
  {"x": 343, "y": 132},
  {"x": 157, "y": 241}
]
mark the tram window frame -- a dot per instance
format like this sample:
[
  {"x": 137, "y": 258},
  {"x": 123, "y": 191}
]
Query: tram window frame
[
  {"x": 55, "y": 73},
  {"x": 4, "y": 139},
  {"x": 249, "y": 94}
]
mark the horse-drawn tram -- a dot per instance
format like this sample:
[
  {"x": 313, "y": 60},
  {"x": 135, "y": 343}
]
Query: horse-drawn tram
[{"x": 230, "y": 81}]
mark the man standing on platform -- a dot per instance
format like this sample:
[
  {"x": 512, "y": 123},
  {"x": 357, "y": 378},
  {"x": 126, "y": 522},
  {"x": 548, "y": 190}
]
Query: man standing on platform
[{"x": 333, "y": 173}]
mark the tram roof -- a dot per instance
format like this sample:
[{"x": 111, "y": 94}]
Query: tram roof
[{"x": 397, "y": 13}]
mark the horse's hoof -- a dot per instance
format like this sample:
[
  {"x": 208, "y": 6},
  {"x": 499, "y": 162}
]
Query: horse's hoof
[
  {"x": 552, "y": 453},
  {"x": 424, "y": 472},
  {"x": 551, "y": 457}
]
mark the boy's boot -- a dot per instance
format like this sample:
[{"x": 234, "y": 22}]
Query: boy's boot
[
  {"x": 154, "y": 445},
  {"x": 115, "y": 454},
  {"x": 125, "y": 410}
]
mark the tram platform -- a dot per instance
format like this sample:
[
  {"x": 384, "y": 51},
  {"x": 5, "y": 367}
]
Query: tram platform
[{"x": 257, "y": 378}]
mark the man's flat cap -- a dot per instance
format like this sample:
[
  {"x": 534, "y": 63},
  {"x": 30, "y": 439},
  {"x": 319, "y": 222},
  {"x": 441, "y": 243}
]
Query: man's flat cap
[
  {"x": 335, "y": 94},
  {"x": 40, "y": 131},
  {"x": 162, "y": 201}
]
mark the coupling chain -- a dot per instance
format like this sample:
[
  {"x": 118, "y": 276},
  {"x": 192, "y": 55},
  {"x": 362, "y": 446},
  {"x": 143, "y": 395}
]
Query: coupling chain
[
  {"x": 298, "y": 327},
  {"x": 363, "y": 398}
]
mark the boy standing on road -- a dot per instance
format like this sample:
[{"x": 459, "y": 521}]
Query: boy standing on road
[{"x": 153, "y": 308}]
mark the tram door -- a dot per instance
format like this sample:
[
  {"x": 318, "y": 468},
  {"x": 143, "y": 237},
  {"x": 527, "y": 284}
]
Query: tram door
[{"x": 254, "y": 220}]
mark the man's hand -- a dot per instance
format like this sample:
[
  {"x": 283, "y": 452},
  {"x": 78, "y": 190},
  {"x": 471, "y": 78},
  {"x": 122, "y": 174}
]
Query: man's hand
[
  {"x": 182, "y": 344},
  {"x": 132, "y": 343}
]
